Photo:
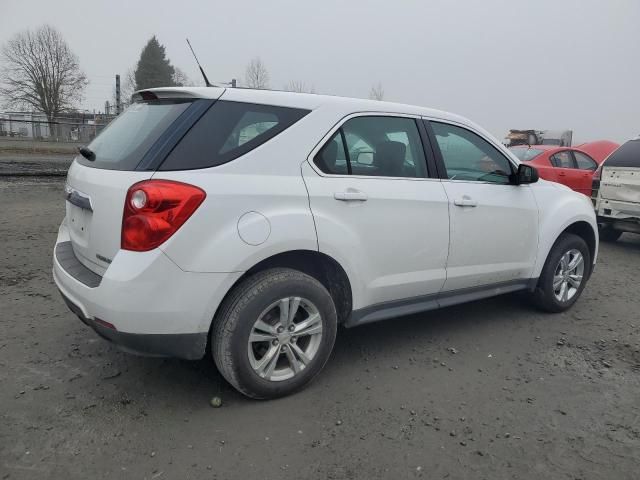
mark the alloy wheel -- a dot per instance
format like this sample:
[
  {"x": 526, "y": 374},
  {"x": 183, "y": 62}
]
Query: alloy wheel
[
  {"x": 285, "y": 338},
  {"x": 568, "y": 275}
]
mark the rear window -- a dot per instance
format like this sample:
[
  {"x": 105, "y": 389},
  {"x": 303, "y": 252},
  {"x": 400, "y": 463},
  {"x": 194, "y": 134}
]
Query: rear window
[
  {"x": 122, "y": 144},
  {"x": 628, "y": 155},
  {"x": 525, "y": 154},
  {"x": 227, "y": 131}
]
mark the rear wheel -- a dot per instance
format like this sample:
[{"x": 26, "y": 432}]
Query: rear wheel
[
  {"x": 608, "y": 234},
  {"x": 274, "y": 333},
  {"x": 564, "y": 274}
]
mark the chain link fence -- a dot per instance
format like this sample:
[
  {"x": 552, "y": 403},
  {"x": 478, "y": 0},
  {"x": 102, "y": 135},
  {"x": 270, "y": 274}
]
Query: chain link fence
[{"x": 73, "y": 127}]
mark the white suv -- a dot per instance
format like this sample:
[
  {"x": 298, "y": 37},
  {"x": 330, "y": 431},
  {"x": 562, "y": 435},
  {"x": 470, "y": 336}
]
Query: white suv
[{"x": 255, "y": 222}]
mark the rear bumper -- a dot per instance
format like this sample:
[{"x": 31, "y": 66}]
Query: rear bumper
[
  {"x": 627, "y": 225},
  {"x": 189, "y": 346},
  {"x": 156, "y": 308},
  {"x": 621, "y": 216}
]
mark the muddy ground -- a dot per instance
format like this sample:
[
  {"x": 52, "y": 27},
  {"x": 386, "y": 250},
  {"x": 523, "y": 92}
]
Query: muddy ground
[{"x": 488, "y": 390}]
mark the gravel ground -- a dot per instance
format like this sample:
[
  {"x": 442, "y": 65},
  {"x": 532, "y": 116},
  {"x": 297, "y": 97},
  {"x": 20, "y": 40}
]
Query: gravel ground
[
  {"x": 489, "y": 390},
  {"x": 34, "y": 164}
]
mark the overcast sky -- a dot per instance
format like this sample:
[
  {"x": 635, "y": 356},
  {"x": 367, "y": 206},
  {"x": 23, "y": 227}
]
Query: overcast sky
[{"x": 541, "y": 64}]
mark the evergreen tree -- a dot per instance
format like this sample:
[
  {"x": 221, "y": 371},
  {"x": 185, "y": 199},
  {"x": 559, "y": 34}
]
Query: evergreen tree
[{"x": 154, "y": 68}]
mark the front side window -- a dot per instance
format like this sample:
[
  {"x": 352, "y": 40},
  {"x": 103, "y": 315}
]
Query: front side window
[
  {"x": 469, "y": 157},
  {"x": 227, "y": 131},
  {"x": 562, "y": 160},
  {"x": 585, "y": 162},
  {"x": 378, "y": 146}
]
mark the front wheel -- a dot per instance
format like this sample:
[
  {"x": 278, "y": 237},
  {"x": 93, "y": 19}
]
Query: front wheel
[
  {"x": 564, "y": 274},
  {"x": 274, "y": 333}
]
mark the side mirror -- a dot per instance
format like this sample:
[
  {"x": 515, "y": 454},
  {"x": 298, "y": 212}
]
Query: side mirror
[{"x": 525, "y": 174}]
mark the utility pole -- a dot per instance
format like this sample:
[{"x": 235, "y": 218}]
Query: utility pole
[{"x": 118, "y": 104}]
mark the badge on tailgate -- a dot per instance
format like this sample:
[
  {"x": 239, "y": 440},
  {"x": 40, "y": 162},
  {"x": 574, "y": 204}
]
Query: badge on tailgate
[{"x": 77, "y": 198}]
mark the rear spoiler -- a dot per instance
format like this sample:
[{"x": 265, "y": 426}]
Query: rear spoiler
[{"x": 177, "y": 93}]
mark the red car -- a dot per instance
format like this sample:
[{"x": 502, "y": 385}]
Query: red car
[{"x": 571, "y": 166}]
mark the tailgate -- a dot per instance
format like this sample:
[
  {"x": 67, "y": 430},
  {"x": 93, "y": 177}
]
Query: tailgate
[
  {"x": 94, "y": 206},
  {"x": 621, "y": 184},
  {"x": 97, "y": 184}
]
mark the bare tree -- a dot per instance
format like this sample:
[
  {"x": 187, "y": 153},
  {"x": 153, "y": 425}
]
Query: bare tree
[
  {"x": 256, "y": 75},
  {"x": 376, "y": 92},
  {"x": 181, "y": 79},
  {"x": 40, "y": 71},
  {"x": 299, "y": 86}
]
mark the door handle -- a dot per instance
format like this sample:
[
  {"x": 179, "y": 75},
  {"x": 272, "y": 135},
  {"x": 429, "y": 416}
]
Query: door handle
[
  {"x": 562, "y": 174},
  {"x": 465, "y": 201},
  {"x": 351, "y": 196}
]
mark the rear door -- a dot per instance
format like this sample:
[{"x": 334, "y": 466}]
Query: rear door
[
  {"x": 494, "y": 224},
  {"x": 566, "y": 170},
  {"x": 586, "y": 166},
  {"x": 377, "y": 211},
  {"x": 96, "y": 189}
]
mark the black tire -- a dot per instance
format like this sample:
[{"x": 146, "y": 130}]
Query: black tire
[
  {"x": 240, "y": 310},
  {"x": 608, "y": 234},
  {"x": 544, "y": 296}
]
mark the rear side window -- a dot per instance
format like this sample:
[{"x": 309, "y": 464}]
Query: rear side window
[
  {"x": 375, "y": 146},
  {"x": 227, "y": 131},
  {"x": 584, "y": 161},
  {"x": 125, "y": 141},
  {"x": 562, "y": 160},
  {"x": 332, "y": 157}
]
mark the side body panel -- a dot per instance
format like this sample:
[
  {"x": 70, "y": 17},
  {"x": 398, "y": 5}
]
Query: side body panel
[{"x": 256, "y": 206}]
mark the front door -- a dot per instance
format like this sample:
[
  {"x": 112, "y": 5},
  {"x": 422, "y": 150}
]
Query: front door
[
  {"x": 494, "y": 224},
  {"x": 377, "y": 212}
]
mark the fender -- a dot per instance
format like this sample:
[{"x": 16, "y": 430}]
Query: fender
[{"x": 559, "y": 207}]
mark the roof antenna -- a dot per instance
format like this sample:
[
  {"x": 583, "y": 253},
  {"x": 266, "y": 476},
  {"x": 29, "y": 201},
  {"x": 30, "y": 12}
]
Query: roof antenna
[{"x": 204, "y": 75}]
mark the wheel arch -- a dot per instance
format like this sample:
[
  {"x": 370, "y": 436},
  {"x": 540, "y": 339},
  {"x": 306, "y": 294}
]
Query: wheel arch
[
  {"x": 318, "y": 265},
  {"x": 580, "y": 227},
  {"x": 586, "y": 232}
]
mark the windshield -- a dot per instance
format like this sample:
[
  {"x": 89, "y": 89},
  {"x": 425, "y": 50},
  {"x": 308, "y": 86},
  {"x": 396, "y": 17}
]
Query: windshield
[
  {"x": 525, "y": 154},
  {"x": 125, "y": 141}
]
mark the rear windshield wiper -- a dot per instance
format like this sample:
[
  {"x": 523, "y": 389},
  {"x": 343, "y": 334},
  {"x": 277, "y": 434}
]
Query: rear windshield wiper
[{"x": 87, "y": 153}]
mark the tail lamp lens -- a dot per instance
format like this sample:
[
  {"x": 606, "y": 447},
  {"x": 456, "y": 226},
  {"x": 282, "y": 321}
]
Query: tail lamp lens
[{"x": 154, "y": 210}]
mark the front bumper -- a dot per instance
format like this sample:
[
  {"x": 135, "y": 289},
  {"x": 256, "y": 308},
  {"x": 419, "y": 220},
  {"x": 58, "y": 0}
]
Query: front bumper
[{"x": 156, "y": 308}]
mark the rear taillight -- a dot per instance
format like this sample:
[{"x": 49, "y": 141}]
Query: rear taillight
[{"x": 154, "y": 210}]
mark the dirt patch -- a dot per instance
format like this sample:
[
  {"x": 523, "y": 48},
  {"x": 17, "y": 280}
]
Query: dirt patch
[{"x": 490, "y": 390}]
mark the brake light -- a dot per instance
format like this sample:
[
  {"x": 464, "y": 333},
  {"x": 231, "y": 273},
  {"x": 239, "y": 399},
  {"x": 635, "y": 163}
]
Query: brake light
[{"x": 154, "y": 210}]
